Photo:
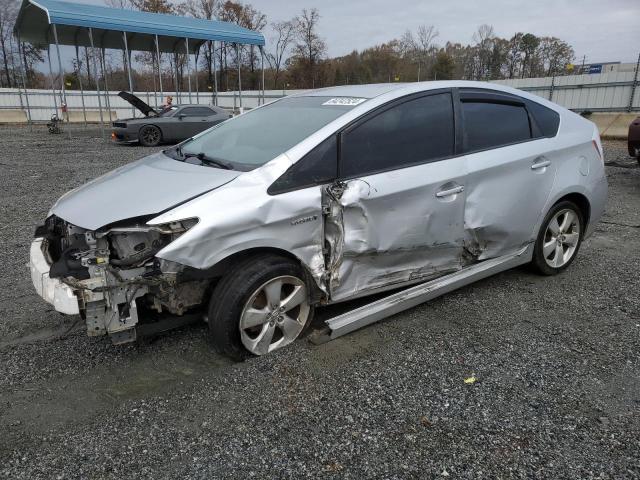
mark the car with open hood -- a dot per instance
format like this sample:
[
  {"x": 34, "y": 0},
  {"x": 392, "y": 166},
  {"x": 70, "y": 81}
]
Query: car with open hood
[
  {"x": 168, "y": 125},
  {"x": 322, "y": 197}
]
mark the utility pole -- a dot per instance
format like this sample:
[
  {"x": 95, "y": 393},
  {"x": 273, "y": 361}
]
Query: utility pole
[{"x": 634, "y": 85}]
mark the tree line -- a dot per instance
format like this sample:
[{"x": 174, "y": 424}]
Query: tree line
[{"x": 295, "y": 55}]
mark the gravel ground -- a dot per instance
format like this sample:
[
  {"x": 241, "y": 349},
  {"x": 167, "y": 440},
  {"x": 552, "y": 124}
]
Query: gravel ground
[{"x": 557, "y": 390}]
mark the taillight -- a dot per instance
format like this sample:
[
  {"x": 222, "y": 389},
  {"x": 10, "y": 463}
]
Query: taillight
[{"x": 595, "y": 145}]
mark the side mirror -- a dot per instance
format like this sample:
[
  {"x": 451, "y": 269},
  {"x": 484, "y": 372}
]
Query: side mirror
[{"x": 181, "y": 116}]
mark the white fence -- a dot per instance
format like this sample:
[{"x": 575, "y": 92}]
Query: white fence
[
  {"x": 607, "y": 92},
  {"x": 40, "y": 105}
]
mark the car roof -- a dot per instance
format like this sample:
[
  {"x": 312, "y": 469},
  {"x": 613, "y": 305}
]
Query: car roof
[
  {"x": 192, "y": 105},
  {"x": 395, "y": 90},
  {"x": 376, "y": 89}
]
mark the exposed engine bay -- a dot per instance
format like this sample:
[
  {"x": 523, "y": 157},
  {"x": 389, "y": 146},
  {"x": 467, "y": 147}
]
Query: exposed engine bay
[{"x": 114, "y": 272}]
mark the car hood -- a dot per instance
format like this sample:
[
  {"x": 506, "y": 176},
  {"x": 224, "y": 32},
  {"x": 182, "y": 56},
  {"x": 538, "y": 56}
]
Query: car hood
[
  {"x": 138, "y": 104},
  {"x": 146, "y": 187}
]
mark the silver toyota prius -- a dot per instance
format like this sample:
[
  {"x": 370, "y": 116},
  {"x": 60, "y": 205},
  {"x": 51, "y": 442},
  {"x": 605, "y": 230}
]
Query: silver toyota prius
[{"x": 317, "y": 198}]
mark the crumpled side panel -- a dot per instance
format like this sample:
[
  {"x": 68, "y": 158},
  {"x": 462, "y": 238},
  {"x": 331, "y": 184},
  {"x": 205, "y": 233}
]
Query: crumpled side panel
[
  {"x": 390, "y": 228},
  {"x": 242, "y": 215}
]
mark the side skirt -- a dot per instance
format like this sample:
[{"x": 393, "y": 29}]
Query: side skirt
[{"x": 410, "y": 297}]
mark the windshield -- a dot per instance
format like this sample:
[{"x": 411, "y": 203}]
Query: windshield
[{"x": 251, "y": 140}]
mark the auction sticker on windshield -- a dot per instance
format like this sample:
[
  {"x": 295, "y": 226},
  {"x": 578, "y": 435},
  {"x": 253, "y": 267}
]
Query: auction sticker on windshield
[{"x": 345, "y": 101}]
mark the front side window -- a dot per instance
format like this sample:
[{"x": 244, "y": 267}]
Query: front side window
[
  {"x": 412, "y": 132},
  {"x": 490, "y": 125},
  {"x": 318, "y": 166},
  {"x": 252, "y": 139}
]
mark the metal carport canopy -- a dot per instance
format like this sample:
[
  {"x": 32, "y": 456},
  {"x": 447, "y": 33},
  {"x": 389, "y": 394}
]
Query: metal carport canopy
[{"x": 72, "y": 20}]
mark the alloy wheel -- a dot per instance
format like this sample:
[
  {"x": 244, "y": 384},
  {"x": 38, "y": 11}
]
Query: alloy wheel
[
  {"x": 275, "y": 314},
  {"x": 151, "y": 136},
  {"x": 561, "y": 238}
]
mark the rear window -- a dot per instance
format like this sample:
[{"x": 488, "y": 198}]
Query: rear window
[
  {"x": 490, "y": 125},
  {"x": 252, "y": 139},
  {"x": 546, "y": 119}
]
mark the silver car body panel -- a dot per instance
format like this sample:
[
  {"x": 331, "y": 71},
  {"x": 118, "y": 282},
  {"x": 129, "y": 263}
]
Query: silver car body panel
[
  {"x": 145, "y": 187},
  {"x": 475, "y": 226},
  {"x": 368, "y": 234},
  {"x": 423, "y": 235}
]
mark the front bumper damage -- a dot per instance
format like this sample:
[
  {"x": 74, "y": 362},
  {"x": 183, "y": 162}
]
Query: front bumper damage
[
  {"x": 79, "y": 272},
  {"x": 52, "y": 290}
]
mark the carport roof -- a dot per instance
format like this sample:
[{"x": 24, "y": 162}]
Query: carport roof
[{"x": 73, "y": 19}]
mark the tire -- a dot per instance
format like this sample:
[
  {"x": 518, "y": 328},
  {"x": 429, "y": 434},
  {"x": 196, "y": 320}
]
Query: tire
[
  {"x": 241, "y": 299},
  {"x": 150, "y": 136},
  {"x": 559, "y": 239}
]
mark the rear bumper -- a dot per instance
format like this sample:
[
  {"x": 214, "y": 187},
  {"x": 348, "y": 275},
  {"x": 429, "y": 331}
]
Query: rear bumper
[
  {"x": 598, "y": 201},
  {"x": 52, "y": 290}
]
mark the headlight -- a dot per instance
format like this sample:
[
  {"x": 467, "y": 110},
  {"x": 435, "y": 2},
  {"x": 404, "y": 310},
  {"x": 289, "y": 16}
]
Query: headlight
[
  {"x": 136, "y": 244},
  {"x": 177, "y": 227}
]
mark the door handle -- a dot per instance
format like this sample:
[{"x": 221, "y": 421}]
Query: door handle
[
  {"x": 450, "y": 191},
  {"x": 540, "y": 163}
]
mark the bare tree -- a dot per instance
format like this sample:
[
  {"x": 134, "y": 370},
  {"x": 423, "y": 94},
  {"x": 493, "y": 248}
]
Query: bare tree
[
  {"x": 205, "y": 9},
  {"x": 253, "y": 20},
  {"x": 426, "y": 45},
  {"x": 480, "y": 54},
  {"x": 8, "y": 14},
  {"x": 310, "y": 48},
  {"x": 284, "y": 35}
]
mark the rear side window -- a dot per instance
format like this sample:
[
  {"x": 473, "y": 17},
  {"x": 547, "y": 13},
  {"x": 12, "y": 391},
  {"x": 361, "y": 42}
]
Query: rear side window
[
  {"x": 197, "y": 112},
  {"x": 415, "y": 131},
  {"x": 489, "y": 125},
  {"x": 318, "y": 166},
  {"x": 546, "y": 119}
]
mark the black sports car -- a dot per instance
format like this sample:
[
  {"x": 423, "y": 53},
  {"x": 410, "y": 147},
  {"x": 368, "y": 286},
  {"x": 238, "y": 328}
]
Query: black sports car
[{"x": 170, "y": 125}]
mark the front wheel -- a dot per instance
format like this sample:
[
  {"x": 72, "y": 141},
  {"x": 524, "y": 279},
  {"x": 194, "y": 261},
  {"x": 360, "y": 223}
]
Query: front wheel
[
  {"x": 150, "y": 136},
  {"x": 559, "y": 239},
  {"x": 260, "y": 306}
]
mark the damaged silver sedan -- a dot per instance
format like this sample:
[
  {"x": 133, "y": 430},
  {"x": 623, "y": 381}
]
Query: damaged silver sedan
[{"x": 320, "y": 198}]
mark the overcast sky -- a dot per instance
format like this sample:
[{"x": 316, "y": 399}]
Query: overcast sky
[{"x": 603, "y": 30}]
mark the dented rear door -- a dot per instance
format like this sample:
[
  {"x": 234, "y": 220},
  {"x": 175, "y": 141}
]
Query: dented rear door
[
  {"x": 396, "y": 214},
  {"x": 510, "y": 173}
]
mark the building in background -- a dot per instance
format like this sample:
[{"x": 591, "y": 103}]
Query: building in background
[{"x": 604, "y": 67}]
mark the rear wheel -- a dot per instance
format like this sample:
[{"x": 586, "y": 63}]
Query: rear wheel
[
  {"x": 559, "y": 239},
  {"x": 260, "y": 306},
  {"x": 150, "y": 136}
]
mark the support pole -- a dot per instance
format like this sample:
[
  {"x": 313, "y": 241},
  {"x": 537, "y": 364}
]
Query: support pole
[
  {"x": 103, "y": 70},
  {"x": 239, "y": 77},
  {"x": 63, "y": 91},
  {"x": 53, "y": 87},
  {"x": 128, "y": 62},
  {"x": 634, "y": 86},
  {"x": 195, "y": 68},
  {"x": 95, "y": 69},
  {"x": 262, "y": 69},
  {"x": 215, "y": 75},
  {"x": 79, "y": 75},
  {"x": 175, "y": 74},
  {"x": 155, "y": 85},
  {"x": 159, "y": 67},
  {"x": 23, "y": 74},
  {"x": 186, "y": 44}
]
